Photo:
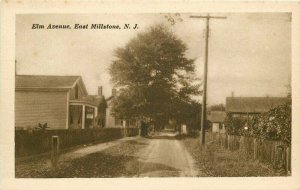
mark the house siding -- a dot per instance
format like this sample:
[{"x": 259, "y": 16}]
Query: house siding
[
  {"x": 32, "y": 108},
  {"x": 216, "y": 128},
  {"x": 110, "y": 120},
  {"x": 80, "y": 93}
]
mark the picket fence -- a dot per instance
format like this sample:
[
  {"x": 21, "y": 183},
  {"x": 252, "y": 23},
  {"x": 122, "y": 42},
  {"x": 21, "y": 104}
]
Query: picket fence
[{"x": 275, "y": 153}]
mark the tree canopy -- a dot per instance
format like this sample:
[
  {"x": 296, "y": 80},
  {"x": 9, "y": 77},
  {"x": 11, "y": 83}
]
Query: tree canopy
[{"x": 154, "y": 77}]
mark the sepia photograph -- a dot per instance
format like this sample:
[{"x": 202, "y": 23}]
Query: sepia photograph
[{"x": 121, "y": 95}]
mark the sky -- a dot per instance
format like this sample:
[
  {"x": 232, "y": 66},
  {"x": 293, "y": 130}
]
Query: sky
[{"x": 249, "y": 53}]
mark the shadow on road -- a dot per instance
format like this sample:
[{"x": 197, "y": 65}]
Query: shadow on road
[
  {"x": 134, "y": 142},
  {"x": 165, "y": 135},
  {"x": 150, "y": 169}
]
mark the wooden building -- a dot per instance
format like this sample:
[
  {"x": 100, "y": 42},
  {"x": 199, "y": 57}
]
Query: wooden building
[
  {"x": 111, "y": 120},
  {"x": 217, "y": 119},
  {"x": 100, "y": 102},
  {"x": 250, "y": 106},
  {"x": 60, "y": 101}
]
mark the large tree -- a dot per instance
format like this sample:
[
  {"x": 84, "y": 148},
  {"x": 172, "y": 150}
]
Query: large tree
[{"x": 154, "y": 77}]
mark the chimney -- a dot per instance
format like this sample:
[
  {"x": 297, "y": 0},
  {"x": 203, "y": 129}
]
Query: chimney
[
  {"x": 114, "y": 92},
  {"x": 232, "y": 94},
  {"x": 100, "y": 91}
]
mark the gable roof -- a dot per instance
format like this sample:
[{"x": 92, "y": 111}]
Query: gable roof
[
  {"x": 92, "y": 100},
  {"x": 44, "y": 82},
  {"x": 109, "y": 98},
  {"x": 253, "y": 104},
  {"x": 217, "y": 116},
  {"x": 95, "y": 100}
]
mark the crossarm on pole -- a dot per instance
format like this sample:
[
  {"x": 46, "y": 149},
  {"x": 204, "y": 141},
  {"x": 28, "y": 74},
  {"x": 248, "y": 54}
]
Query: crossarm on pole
[{"x": 216, "y": 17}]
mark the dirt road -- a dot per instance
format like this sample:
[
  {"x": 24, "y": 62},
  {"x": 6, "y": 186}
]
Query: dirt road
[
  {"x": 165, "y": 156},
  {"x": 160, "y": 156}
]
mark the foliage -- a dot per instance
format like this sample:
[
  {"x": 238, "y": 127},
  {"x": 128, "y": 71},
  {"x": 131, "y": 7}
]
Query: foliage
[
  {"x": 217, "y": 107},
  {"x": 274, "y": 124},
  {"x": 42, "y": 127},
  {"x": 215, "y": 161},
  {"x": 154, "y": 77},
  {"x": 234, "y": 125},
  {"x": 191, "y": 116}
]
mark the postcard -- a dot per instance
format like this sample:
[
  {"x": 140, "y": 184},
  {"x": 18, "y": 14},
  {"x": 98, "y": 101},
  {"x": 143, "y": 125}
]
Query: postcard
[{"x": 149, "y": 95}]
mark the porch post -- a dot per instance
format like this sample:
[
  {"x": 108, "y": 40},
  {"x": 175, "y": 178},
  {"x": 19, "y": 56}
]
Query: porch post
[
  {"x": 95, "y": 122},
  {"x": 83, "y": 116}
]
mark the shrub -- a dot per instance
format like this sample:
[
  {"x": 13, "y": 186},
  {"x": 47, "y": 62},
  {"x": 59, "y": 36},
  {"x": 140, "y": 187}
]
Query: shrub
[
  {"x": 273, "y": 125},
  {"x": 234, "y": 125}
]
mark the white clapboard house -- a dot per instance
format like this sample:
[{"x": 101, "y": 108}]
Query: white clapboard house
[{"x": 60, "y": 101}]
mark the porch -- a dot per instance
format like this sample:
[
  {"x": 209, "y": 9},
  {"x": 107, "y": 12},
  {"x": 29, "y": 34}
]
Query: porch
[{"x": 82, "y": 115}]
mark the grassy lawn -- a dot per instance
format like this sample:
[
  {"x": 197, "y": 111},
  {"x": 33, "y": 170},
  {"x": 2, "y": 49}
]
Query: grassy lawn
[
  {"x": 218, "y": 162},
  {"x": 116, "y": 161}
]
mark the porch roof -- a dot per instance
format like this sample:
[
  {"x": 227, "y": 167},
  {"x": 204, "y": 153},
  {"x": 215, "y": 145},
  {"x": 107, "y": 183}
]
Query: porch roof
[
  {"x": 82, "y": 102},
  {"x": 91, "y": 100}
]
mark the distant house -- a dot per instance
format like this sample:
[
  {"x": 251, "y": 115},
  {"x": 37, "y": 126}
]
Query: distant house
[
  {"x": 111, "y": 120},
  {"x": 100, "y": 102},
  {"x": 217, "y": 119},
  {"x": 60, "y": 101},
  {"x": 250, "y": 106}
]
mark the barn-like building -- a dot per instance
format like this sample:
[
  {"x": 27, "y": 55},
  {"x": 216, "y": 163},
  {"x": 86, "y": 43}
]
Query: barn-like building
[{"x": 251, "y": 106}]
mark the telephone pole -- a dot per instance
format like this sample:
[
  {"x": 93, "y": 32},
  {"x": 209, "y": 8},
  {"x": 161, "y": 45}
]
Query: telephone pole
[{"x": 203, "y": 111}]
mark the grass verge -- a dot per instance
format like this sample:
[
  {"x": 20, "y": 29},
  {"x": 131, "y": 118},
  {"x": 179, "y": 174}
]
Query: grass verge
[
  {"x": 116, "y": 161},
  {"x": 215, "y": 161}
]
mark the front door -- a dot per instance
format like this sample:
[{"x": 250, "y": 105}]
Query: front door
[
  {"x": 89, "y": 117},
  {"x": 75, "y": 116}
]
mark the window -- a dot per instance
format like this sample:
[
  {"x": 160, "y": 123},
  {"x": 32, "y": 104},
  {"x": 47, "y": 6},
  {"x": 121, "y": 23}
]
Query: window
[
  {"x": 75, "y": 116},
  {"x": 89, "y": 117},
  {"x": 220, "y": 126},
  {"x": 118, "y": 121}
]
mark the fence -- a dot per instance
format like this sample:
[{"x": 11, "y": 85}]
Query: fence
[
  {"x": 275, "y": 153},
  {"x": 28, "y": 143}
]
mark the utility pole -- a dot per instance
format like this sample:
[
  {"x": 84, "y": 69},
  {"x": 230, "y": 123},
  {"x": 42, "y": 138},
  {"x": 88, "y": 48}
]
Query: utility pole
[{"x": 203, "y": 111}]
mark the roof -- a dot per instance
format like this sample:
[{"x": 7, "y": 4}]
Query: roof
[
  {"x": 43, "y": 81},
  {"x": 217, "y": 116},
  {"x": 48, "y": 82},
  {"x": 253, "y": 104},
  {"x": 109, "y": 98},
  {"x": 95, "y": 100}
]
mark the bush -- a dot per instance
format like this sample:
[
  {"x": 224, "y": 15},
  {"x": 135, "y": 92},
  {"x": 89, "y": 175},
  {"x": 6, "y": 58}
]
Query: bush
[
  {"x": 234, "y": 125},
  {"x": 273, "y": 125}
]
